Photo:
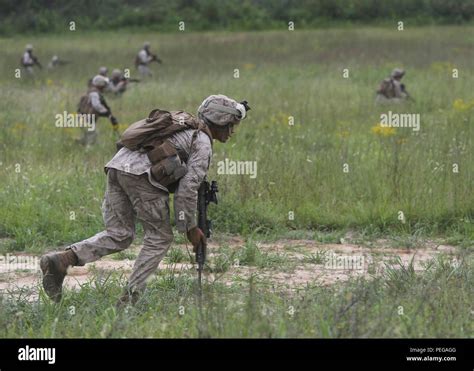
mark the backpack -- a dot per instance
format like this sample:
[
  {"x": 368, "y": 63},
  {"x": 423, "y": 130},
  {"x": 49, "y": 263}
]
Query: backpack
[
  {"x": 150, "y": 135},
  {"x": 387, "y": 88},
  {"x": 84, "y": 106}
]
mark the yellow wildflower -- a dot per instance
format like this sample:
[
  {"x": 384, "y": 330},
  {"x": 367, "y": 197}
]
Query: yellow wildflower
[
  {"x": 122, "y": 127},
  {"x": 344, "y": 134},
  {"x": 282, "y": 118},
  {"x": 461, "y": 106},
  {"x": 18, "y": 126},
  {"x": 383, "y": 131}
]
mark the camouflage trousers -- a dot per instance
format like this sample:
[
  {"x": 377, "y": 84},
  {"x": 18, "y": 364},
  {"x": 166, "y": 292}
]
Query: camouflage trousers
[
  {"x": 144, "y": 70},
  {"x": 89, "y": 137},
  {"x": 381, "y": 99},
  {"x": 29, "y": 70},
  {"x": 129, "y": 197}
]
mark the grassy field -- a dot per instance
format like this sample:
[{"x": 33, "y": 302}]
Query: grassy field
[
  {"x": 45, "y": 176},
  {"x": 300, "y": 167},
  {"x": 399, "y": 301}
]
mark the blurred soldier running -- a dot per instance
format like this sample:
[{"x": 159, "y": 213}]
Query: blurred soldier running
[
  {"x": 56, "y": 62},
  {"x": 103, "y": 71},
  {"x": 28, "y": 61},
  {"x": 144, "y": 58},
  {"x": 93, "y": 103},
  {"x": 118, "y": 82}
]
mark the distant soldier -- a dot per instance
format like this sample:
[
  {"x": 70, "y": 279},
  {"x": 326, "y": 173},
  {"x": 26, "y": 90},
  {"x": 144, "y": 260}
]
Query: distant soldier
[
  {"x": 173, "y": 158},
  {"x": 103, "y": 71},
  {"x": 391, "y": 89},
  {"x": 118, "y": 82},
  {"x": 28, "y": 61},
  {"x": 93, "y": 103},
  {"x": 56, "y": 62},
  {"x": 144, "y": 58}
]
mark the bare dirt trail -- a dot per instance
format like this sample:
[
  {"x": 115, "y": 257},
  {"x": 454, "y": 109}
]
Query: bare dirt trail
[{"x": 299, "y": 263}]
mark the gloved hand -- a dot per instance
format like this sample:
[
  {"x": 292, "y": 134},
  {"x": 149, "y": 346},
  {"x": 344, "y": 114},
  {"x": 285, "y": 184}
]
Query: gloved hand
[
  {"x": 113, "y": 120},
  {"x": 196, "y": 236}
]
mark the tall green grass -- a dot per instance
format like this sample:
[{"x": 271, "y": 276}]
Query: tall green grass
[
  {"x": 398, "y": 303},
  {"x": 300, "y": 167}
]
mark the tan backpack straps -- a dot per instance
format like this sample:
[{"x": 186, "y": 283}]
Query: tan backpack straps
[
  {"x": 205, "y": 129},
  {"x": 162, "y": 151}
]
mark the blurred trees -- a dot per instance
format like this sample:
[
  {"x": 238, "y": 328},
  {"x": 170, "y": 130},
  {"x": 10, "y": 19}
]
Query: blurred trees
[{"x": 18, "y": 16}]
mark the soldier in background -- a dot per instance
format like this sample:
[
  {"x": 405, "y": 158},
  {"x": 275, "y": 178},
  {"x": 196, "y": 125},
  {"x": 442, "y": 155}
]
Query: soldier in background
[
  {"x": 28, "y": 61},
  {"x": 391, "y": 89},
  {"x": 93, "y": 103},
  {"x": 118, "y": 82},
  {"x": 103, "y": 71},
  {"x": 144, "y": 58},
  {"x": 56, "y": 62}
]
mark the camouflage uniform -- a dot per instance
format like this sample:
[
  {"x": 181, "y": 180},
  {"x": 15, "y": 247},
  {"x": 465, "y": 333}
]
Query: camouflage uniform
[
  {"x": 132, "y": 193},
  {"x": 103, "y": 71},
  {"x": 117, "y": 84},
  {"x": 28, "y": 60},
  {"x": 97, "y": 106},
  {"x": 391, "y": 89},
  {"x": 117, "y": 87},
  {"x": 56, "y": 62},
  {"x": 143, "y": 59}
]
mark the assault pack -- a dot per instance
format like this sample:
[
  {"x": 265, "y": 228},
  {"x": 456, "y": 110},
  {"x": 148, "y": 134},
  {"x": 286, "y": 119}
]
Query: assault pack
[
  {"x": 85, "y": 107},
  {"x": 387, "y": 88},
  {"x": 150, "y": 136}
]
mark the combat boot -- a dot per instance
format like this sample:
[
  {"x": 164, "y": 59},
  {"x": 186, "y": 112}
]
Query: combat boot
[
  {"x": 54, "y": 267},
  {"x": 128, "y": 298}
]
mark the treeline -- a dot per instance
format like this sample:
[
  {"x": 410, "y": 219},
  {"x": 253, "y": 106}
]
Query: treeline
[{"x": 32, "y": 16}]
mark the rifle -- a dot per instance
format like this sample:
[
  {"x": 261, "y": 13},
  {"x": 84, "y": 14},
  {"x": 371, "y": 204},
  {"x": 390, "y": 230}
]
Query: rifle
[
  {"x": 207, "y": 193},
  {"x": 154, "y": 58},
  {"x": 104, "y": 103},
  {"x": 36, "y": 61},
  {"x": 112, "y": 119},
  {"x": 402, "y": 86},
  {"x": 130, "y": 79}
]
